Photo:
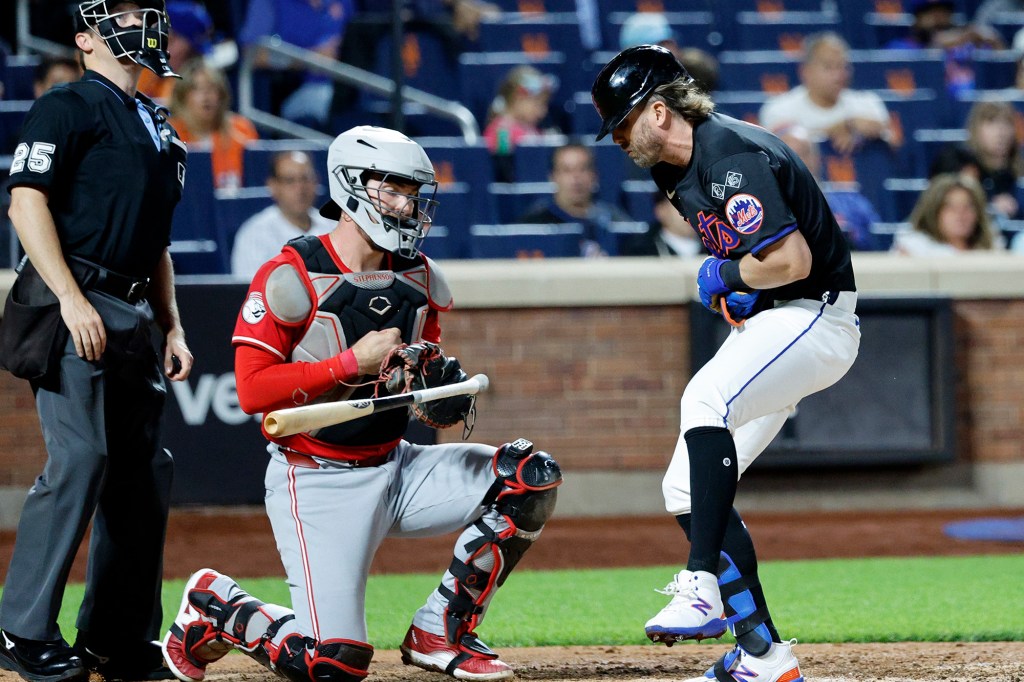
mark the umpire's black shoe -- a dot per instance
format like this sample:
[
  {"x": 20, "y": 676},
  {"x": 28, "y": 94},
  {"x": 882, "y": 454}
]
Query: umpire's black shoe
[
  {"x": 40, "y": 661},
  {"x": 132, "y": 663}
]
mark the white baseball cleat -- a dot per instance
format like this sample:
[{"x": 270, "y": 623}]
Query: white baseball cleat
[
  {"x": 778, "y": 665},
  {"x": 695, "y": 612},
  {"x": 470, "y": 660},
  {"x": 191, "y": 644}
]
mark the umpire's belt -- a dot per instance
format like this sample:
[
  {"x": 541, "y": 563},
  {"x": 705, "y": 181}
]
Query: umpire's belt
[{"x": 98, "y": 278}]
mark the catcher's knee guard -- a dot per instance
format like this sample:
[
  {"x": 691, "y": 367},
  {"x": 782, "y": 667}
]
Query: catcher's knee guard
[
  {"x": 746, "y": 620},
  {"x": 301, "y": 659},
  {"x": 524, "y": 495}
]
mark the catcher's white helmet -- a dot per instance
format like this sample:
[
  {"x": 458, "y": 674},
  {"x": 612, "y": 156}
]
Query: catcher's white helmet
[{"x": 368, "y": 153}]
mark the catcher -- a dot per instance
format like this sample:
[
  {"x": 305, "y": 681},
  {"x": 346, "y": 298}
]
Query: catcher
[{"x": 321, "y": 321}]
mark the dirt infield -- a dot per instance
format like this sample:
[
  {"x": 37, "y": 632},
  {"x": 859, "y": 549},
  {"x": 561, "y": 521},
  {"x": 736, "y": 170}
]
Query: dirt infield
[{"x": 239, "y": 542}]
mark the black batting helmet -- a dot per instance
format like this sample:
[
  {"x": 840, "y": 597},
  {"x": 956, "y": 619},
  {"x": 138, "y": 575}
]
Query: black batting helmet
[{"x": 628, "y": 78}]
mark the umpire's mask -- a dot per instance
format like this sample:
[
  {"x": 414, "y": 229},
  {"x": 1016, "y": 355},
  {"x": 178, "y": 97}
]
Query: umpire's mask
[{"x": 118, "y": 23}]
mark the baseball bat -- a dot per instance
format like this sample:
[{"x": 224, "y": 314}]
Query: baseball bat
[{"x": 294, "y": 420}]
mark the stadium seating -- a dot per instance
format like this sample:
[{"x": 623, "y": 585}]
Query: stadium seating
[
  {"x": 194, "y": 246},
  {"x": 256, "y": 161},
  {"x": 526, "y": 241},
  {"x": 783, "y": 31},
  {"x": 692, "y": 29},
  {"x": 901, "y": 195},
  {"x": 513, "y": 199},
  {"x": 770, "y": 71},
  {"x": 18, "y": 74},
  {"x": 481, "y": 73},
  {"x": 869, "y": 166},
  {"x": 12, "y": 115}
]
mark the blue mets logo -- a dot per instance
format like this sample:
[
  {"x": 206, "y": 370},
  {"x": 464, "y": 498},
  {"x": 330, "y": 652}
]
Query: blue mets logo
[{"x": 745, "y": 213}]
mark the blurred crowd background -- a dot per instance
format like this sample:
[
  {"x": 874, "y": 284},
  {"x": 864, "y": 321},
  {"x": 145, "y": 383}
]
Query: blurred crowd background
[{"x": 909, "y": 112}]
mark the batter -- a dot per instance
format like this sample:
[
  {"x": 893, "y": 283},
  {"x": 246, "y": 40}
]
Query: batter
[{"x": 780, "y": 272}]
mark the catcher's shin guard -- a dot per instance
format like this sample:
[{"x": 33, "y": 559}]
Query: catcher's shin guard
[
  {"x": 746, "y": 620},
  {"x": 217, "y": 615},
  {"x": 523, "y": 495},
  {"x": 301, "y": 659}
]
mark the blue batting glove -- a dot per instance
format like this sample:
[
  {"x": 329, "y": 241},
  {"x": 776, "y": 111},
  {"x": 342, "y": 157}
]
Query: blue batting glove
[
  {"x": 739, "y": 304},
  {"x": 709, "y": 282}
]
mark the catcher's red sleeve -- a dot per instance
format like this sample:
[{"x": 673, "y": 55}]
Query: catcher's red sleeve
[{"x": 265, "y": 382}]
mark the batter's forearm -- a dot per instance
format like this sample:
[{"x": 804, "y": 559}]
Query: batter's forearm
[{"x": 787, "y": 262}]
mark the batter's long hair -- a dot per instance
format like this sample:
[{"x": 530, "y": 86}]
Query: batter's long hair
[
  {"x": 925, "y": 216},
  {"x": 686, "y": 99}
]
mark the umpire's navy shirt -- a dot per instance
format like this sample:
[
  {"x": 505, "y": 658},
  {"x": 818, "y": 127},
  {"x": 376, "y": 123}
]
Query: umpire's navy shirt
[
  {"x": 745, "y": 190},
  {"x": 113, "y": 171}
]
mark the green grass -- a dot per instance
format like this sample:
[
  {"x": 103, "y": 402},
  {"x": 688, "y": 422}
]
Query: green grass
[{"x": 859, "y": 600}]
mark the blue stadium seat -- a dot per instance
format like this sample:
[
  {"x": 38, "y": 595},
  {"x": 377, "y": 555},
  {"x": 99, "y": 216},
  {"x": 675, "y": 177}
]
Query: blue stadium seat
[
  {"x": 258, "y": 154},
  {"x": 17, "y": 76},
  {"x": 899, "y": 70},
  {"x": 901, "y": 196},
  {"x": 960, "y": 107},
  {"x": 910, "y": 112},
  {"x": 426, "y": 64},
  {"x": 536, "y": 6},
  {"x": 456, "y": 163},
  {"x": 638, "y": 198},
  {"x": 526, "y": 241},
  {"x": 691, "y": 29},
  {"x": 193, "y": 230},
  {"x": 533, "y": 161},
  {"x": 481, "y": 73},
  {"x": 783, "y": 31},
  {"x": 868, "y": 167},
  {"x": 996, "y": 69},
  {"x": 231, "y": 209},
  {"x": 513, "y": 199},
  {"x": 449, "y": 236},
  {"x": 771, "y": 71},
  {"x": 1007, "y": 24},
  {"x": 742, "y": 104},
  {"x": 12, "y": 115},
  {"x": 537, "y": 34},
  {"x": 928, "y": 142}
]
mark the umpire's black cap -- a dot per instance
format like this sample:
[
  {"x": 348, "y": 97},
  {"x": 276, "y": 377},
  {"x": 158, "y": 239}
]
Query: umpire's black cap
[{"x": 628, "y": 78}]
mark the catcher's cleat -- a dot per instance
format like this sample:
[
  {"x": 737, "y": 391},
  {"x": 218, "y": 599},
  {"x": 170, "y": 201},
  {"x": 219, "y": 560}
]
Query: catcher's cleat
[
  {"x": 695, "y": 612},
  {"x": 471, "y": 659},
  {"x": 192, "y": 643},
  {"x": 778, "y": 665}
]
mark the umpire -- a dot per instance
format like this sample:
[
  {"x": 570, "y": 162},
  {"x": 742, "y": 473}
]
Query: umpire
[{"x": 94, "y": 182}]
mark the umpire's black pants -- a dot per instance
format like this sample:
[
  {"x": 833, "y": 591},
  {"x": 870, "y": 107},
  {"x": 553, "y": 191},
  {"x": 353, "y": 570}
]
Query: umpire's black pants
[{"x": 102, "y": 433}]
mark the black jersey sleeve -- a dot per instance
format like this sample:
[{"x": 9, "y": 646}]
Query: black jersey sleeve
[
  {"x": 49, "y": 137},
  {"x": 751, "y": 201}
]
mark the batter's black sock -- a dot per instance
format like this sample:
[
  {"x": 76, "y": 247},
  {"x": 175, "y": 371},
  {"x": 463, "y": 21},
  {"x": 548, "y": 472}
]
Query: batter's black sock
[{"x": 713, "y": 472}]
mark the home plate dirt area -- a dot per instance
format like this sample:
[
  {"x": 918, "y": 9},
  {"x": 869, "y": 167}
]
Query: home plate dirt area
[{"x": 239, "y": 543}]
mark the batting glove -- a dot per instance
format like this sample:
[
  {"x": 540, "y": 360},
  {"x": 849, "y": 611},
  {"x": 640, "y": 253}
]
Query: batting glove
[
  {"x": 738, "y": 305},
  {"x": 709, "y": 282}
]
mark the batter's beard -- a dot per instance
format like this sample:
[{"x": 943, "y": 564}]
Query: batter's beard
[{"x": 645, "y": 148}]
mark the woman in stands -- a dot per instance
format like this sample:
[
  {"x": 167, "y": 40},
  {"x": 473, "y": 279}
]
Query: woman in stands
[
  {"x": 949, "y": 218},
  {"x": 991, "y": 153},
  {"x": 200, "y": 113},
  {"x": 516, "y": 115}
]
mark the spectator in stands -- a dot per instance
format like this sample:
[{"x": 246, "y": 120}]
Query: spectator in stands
[
  {"x": 53, "y": 71},
  {"x": 190, "y": 37},
  {"x": 949, "y": 218},
  {"x": 575, "y": 179},
  {"x": 315, "y": 25},
  {"x": 200, "y": 112},
  {"x": 652, "y": 28},
  {"x": 852, "y": 210},
  {"x": 670, "y": 234},
  {"x": 934, "y": 28},
  {"x": 991, "y": 154},
  {"x": 293, "y": 187},
  {"x": 516, "y": 115},
  {"x": 824, "y": 103}
]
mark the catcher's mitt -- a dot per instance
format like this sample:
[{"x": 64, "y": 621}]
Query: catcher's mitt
[{"x": 424, "y": 365}]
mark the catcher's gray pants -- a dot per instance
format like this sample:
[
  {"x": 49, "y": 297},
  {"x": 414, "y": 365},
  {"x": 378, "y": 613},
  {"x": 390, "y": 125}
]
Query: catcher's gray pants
[
  {"x": 329, "y": 522},
  {"x": 101, "y": 431}
]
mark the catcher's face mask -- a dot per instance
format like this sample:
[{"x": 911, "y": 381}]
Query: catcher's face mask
[
  {"x": 384, "y": 181},
  {"x": 136, "y": 30}
]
